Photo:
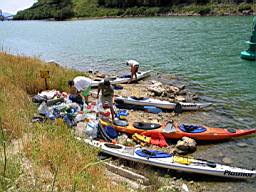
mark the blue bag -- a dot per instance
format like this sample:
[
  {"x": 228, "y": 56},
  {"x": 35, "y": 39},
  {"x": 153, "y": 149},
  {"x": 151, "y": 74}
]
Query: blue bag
[
  {"x": 111, "y": 132},
  {"x": 152, "y": 153}
]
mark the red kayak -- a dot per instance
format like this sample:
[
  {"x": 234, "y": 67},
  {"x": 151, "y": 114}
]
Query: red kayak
[{"x": 177, "y": 131}]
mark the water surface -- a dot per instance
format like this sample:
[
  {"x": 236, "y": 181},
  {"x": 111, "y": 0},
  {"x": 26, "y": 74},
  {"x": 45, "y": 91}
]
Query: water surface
[{"x": 202, "y": 51}]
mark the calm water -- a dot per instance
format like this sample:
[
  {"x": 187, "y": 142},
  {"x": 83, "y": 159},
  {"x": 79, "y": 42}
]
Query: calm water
[{"x": 202, "y": 51}]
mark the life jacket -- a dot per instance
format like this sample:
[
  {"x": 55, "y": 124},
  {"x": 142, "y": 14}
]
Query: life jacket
[{"x": 156, "y": 138}]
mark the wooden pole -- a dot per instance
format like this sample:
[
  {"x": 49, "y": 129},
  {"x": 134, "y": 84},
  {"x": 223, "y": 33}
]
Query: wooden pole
[
  {"x": 46, "y": 84},
  {"x": 4, "y": 146}
]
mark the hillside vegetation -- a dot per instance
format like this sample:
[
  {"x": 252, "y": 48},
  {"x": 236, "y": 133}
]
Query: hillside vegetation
[
  {"x": 41, "y": 157},
  {"x": 66, "y": 9}
]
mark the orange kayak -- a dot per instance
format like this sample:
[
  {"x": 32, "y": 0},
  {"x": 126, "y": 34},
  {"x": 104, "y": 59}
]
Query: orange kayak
[{"x": 177, "y": 131}]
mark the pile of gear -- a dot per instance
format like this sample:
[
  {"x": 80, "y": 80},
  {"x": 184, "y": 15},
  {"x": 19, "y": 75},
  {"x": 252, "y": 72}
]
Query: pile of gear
[{"x": 86, "y": 120}]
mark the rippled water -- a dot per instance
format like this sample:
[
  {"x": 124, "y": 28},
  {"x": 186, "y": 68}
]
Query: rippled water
[{"x": 202, "y": 51}]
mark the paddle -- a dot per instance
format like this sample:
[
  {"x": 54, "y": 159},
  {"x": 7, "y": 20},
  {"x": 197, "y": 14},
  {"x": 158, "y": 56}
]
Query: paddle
[
  {"x": 208, "y": 163},
  {"x": 188, "y": 161}
]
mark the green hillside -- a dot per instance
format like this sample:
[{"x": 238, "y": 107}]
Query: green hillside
[
  {"x": 66, "y": 9},
  {"x": 44, "y": 9}
]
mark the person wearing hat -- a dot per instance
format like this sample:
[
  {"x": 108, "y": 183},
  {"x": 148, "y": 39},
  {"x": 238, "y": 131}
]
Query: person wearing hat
[
  {"x": 134, "y": 68},
  {"x": 107, "y": 93},
  {"x": 79, "y": 86}
]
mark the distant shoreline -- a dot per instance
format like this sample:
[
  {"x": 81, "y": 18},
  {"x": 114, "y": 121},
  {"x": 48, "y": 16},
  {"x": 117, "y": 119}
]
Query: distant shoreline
[
  {"x": 160, "y": 15},
  {"x": 139, "y": 16}
]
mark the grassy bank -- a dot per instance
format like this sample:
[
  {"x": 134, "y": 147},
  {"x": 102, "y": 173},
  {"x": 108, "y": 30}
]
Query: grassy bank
[{"x": 49, "y": 158}]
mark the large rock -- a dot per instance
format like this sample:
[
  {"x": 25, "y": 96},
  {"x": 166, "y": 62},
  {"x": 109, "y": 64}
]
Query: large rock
[
  {"x": 158, "y": 91},
  {"x": 156, "y": 88},
  {"x": 172, "y": 89},
  {"x": 163, "y": 90},
  {"x": 185, "y": 146},
  {"x": 182, "y": 145},
  {"x": 174, "y": 92},
  {"x": 191, "y": 143}
]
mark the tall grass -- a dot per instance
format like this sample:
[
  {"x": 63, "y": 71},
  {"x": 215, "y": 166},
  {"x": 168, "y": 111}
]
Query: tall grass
[
  {"x": 50, "y": 147},
  {"x": 25, "y": 73},
  {"x": 12, "y": 173}
]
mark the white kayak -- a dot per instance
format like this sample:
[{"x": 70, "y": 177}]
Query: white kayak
[
  {"x": 122, "y": 79},
  {"x": 169, "y": 161},
  {"x": 143, "y": 101}
]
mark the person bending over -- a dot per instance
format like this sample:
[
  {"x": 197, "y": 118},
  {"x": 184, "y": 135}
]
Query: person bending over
[
  {"x": 79, "y": 87},
  {"x": 134, "y": 69}
]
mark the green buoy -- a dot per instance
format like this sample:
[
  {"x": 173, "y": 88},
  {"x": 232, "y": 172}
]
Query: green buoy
[{"x": 250, "y": 54}]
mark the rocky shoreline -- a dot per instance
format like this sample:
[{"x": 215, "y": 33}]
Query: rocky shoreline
[
  {"x": 155, "y": 87},
  {"x": 170, "y": 14},
  {"x": 173, "y": 92}
]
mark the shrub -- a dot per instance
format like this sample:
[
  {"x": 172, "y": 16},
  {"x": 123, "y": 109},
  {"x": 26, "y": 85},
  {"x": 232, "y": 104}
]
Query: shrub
[
  {"x": 152, "y": 11},
  {"x": 204, "y": 10},
  {"x": 244, "y": 6}
]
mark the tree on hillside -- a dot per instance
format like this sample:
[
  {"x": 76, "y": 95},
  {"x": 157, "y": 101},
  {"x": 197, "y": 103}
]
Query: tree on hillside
[{"x": 44, "y": 9}]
